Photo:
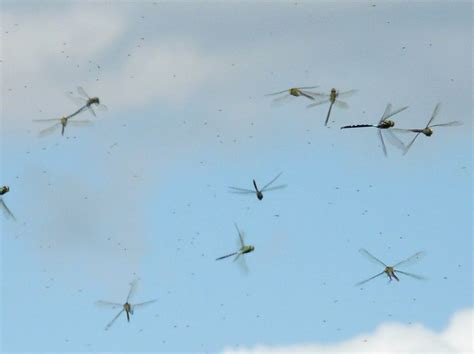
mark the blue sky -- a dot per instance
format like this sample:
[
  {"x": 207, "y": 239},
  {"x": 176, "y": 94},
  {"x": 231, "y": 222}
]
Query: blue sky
[{"x": 143, "y": 193}]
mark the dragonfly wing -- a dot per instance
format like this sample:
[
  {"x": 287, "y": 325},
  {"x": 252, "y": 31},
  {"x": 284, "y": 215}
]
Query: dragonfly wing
[
  {"x": 113, "y": 320},
  {"x": 367, "y": 280},
  {"x": 269, "y": 183},
  {"x": 282, "y": 99},
  {"x": 307, "y": 87},
  {"x": 82, "y": 92},
  {"x": 49, "y": 130},
  {"x": 79, "y": 101},
  {"x": 391, "y": 114},
  {"x": 276, "y": 93},
  {"x": 411, "y": 260},
  {"x": 394, "y": 140},
  {"x": 241, "y": 236},
  {"x": 317, "y": 103},
  {"x": 383, "y": 142},
  {"x": 435, "y": 113},
  {"x": 415, "y": 276},
  {"x": 411, "y": 143},
  {"x": 133, "y": 288},
  {"x": 47, "y": 120},
  {"x": 144, "y": 303},
  {"x": 101, "y": 107},
  {"x": 281, "y": 186},
  {"x": 6, "y": 211},
  {"x": 371, "y": 258},
  {"x": 449, "y": 124},
  {"x": 91, "y": 111},
  {"x": 347, "y": 93},
  {"x": 341, "y": 104},
  {"x": 243, "y": 265},
  {"x": 80, "y": 123},
  {"x": 386, "y": 112},
  {"x": 399, "y": 130},
  {"x": 108, "y": 304}
]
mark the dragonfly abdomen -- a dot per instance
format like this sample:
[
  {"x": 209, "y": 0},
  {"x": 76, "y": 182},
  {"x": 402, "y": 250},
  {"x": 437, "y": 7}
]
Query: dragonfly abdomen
[{"x": 357, "y": 126}]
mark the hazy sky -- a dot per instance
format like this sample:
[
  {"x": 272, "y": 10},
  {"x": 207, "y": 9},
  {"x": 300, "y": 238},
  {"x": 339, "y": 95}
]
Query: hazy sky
[{"x": 143, "y": 193}]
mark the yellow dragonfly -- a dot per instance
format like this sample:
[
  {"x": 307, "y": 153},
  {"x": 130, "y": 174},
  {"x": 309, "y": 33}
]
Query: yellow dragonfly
[
  {"x": 61, "y": 123},
  {"x": 243, "y": 249},
  {"x": 127, "y": 306},
  {"x": 333, "y": 99},
  {"x": 294, "y": 92},
  {"x": 6, "y": 211},
  {"x": 390, "y": 271}
]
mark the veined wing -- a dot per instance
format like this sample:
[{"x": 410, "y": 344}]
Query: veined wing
[
  {"x": 449, "y": 124},
  {"x": 282, "y": 99},
  {"x": 307, "y": 87},
  {"x": 383, "y": 142},
  {"x": 411, "y": 143},
  {"x": 277, "y": 93},
  {"x": 318, "y": 103},
  {"x": 6, "y": 211},
  {"x": 391, "y": 114},
  {"x": 435, "y": 113},
  {"x": 242, "y": 265},
  {"x": 113, "y": 320},
  {"x": 82, "y": 92},
  {"x": 79, "y": 101},
  {"x": 346, "y": 93},
  {"x": 241, "y": 190},
  {"x": 415, "y": 276},
  {"x": 47, "y": 120},
  {"x": 133, "y": 288},
  {"x": 49, "y": 130},
  {"x": 281, "y": 186},
  {"x": 393, "y": 139},
  {"x": 108, "y": 304},
  {"x": 241, "y": 236},
  {"x": 411, "y": 260},
  {"x": 341, "y": 104},
  {"x": 367, "y": 280},
  {"x": 372, "y": 258},
  {"x": 89, "y": 108},
  {"x": 269, "y": 183},
  {"x": 386, "y": 112},
  {"x": 80, "y": 123},
  {"x": 101, "y": 107},
  {"x": 144, "y": 303}
]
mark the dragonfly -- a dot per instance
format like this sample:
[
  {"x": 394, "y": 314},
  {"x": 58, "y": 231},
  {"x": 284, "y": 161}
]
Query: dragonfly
[
  {"x": 85, "y": 102},
  {"x": 384, "y": 124},
  {"x": 127, "y": 306},
  {"x": 428, "y": 131},
  {"x": 6, "y": 211},
  {"x": 296, "y": 92},
  {"x": 61, "y": 123},
  {"x": 244, "y": 249},
  {"x": 257, "y": 191},
  {"x": 333, "y": 99},
  {"x": 390, "y": 271}
]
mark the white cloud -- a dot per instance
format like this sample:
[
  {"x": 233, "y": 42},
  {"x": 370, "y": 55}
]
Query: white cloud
[{"x": 391, "y": 338}]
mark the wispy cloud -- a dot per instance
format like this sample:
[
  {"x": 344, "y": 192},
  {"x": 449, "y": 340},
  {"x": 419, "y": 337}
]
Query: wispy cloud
[{"x": 391, "y": 338}]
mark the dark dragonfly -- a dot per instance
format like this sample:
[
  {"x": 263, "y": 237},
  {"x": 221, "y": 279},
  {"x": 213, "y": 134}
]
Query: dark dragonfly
[
  {"x": 127, "y": 307},
  {"x": 6, "y": 211},
  {"x": 428, "y": 131},
  {"x": 258, "y": 192},
  {"x": 85, "y": 102},
  {"x": 333, "y": 99},
  {"x": 390, "y": 271},
  {"x": 384, "y": 125}
]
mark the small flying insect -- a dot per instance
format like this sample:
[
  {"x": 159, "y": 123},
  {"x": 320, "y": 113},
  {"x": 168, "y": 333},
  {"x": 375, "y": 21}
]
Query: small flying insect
[
  {"x": 6, "y": 211},
  {"x": 85, "y": 102},
  {"x": 61, "y": 122},
  {"x": 243, "y": 247},
  {"x": 127, "y": 307},
  {"x": 390, "y": 270},
  {"x": 428, "y": 131},
  {"x": 384, "y": 124},
  {"x": 333, "y": 99},
  {"x": 258, "y": 192},
  {"x": 295, "y": 92}
]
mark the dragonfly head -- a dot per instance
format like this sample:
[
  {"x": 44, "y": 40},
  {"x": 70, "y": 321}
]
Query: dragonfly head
[
  {"x": 93, "y": 100},
  {"x": 250, "y": 248},
  {"x": 63, "y": 120},
  {"x": 294, "y": 92},
  {"x": 389, "y": 271},
  {"x": 427, "y": 131},
  {"x": 4, "y": 189},
  {"x": 259, "y": 195}
]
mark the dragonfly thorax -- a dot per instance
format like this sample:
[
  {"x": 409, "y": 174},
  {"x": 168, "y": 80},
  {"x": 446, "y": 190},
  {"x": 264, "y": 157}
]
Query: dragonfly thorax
[
  {"x": 247, "y": 249},
  {"x": 333, "y": 95},
  {"x": 93, "y": 100},
  {"x": 388, "y": 123},
  {"x": 295, "y": 92},
  {"x": 427, "y": 131},
  {"x": 4, "y": 189},
  {"x": 127, "y": 307}
]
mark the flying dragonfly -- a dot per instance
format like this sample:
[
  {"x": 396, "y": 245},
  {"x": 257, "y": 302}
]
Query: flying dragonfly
[
  {"x": 6, "y": 211},
  {"x": 85, "y": 102},
  {"x": 61, "y": 122},
  {"x": 333, "y": 99},
  {"x": 258, "y": 192},
  {"x": 243, "y": 249},
  {"x": 428, "y": 131},
  {"x": 295, "y": 92},
  {"x": 127, "y": 307},
  {"x": 384, "y": 124},
  {"x": 390, "y": 270}
]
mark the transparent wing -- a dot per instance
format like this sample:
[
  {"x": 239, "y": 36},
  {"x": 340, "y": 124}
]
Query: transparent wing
[
  {"x": 242, "y": 264},
  {"x": 386, "y": 112},
  {"x": 282, "y": 99},
  {"x": 269, "y": 183},
  {"x": 435, "y": 113},
  {"x": 307, "y": 87},
  {"x": 419, "y": 277},
  {"x": 102, "y": 303},
  {"x": 113, "y": 320},
  {"x": 241, "y": 236},
  {"x": 411, "y": 260},
  {"x": 449, "y": 124},
  {"x": 49, "y": 130},
  {"x": 383, "y": 142},
  {"x": 241, "y": 190},
  {"x": 79, "y": 101},
  {"x": 6, "y": 211},
  {"x": 394, "y": 140},
  {"x": 367, "y": 280},
  {"x": 144, "y": 303},
  {"x": 227, "y": 256},
  {"x": 133, "y": 288},
  {"x": 341, "y": 104},
  {"x": 89, "y": 108},
  {"x": 347, "y": 93},
  {"x": 371, "y": 258},
  {"x": 399, "y": 130},
  {"x": 317, "y": 103},
  {"x": 307, "y": 95},
  {"x": 82, "y": 92},
  {"x": 411, "y": 143},
  {"x": 276, "y": 93},
  {"x": 101, "y": 107},
  {"x": 80, "y": 123},
  {"x": 281, "y": 186},
  {"x": 391, "y": 114},
  {"x": 47, "y": 120}
]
